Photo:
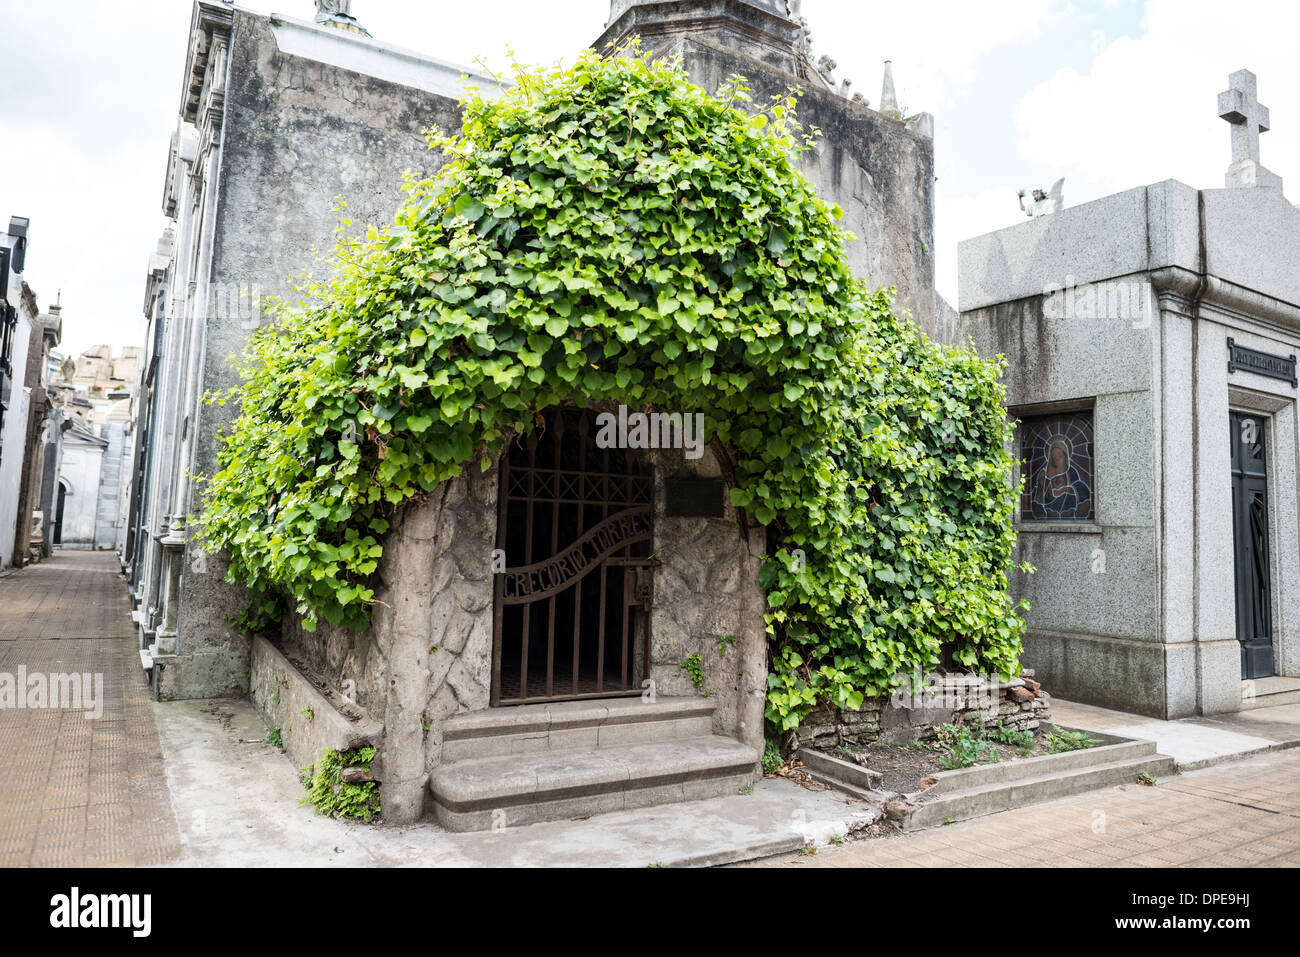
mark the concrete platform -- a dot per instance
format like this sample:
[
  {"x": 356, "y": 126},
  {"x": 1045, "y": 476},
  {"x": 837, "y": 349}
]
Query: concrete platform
[
  {"x": 1194, "y": 742},
  {"x": 236, "y": 802},
  {"x": 571, "y": 725}
]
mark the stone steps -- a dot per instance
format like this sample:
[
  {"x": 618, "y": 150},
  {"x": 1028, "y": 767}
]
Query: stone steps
[
  {"x": 1268, "y": 692},
  {"x": 529, "y": 787},
  {"x": 573, "y": 725}
]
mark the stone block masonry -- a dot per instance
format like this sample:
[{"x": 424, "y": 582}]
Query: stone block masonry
[{"x": 1020, "y": 706}]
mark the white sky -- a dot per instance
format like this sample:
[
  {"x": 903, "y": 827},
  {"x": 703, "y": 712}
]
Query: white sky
[{"x": 1110, "y": 94}]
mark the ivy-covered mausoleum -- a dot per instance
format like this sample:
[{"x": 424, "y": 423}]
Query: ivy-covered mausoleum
[{"x": 564, "y": 626}]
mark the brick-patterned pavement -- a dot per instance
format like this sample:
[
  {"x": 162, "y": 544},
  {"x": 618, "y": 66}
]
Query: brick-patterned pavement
[
  {"x": 77, "y": 790},
  {"x": 1240, "y": 814}
]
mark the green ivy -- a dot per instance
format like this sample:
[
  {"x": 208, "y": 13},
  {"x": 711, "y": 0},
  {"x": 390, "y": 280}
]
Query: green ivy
[
  {"x": 612, "y": 234},
  {"x": 694, "y": 667},
  {"x": 327, "y": 793}
]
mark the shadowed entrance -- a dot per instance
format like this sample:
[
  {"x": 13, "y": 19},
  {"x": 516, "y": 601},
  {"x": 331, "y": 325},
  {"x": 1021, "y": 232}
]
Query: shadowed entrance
[{"x": 574, "y": 536}]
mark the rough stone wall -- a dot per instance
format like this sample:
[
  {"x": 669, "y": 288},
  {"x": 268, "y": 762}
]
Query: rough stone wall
[
  {"x": 707, "y": 588},
  {"x": 882, "y": 721},
  {"x": 436, "y": 592},
  {"x": 299, "y": 135},
  {"x": 428, "y": 654}
]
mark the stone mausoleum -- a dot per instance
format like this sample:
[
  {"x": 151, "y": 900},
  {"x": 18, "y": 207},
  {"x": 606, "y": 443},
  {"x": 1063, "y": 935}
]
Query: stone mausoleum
[
  {"x": 555, "y": 689},
  {"x": 1152, "y": 340}
]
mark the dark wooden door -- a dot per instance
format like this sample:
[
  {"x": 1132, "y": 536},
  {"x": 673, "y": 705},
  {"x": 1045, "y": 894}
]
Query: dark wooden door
[{"x": 1250, "y": 521}]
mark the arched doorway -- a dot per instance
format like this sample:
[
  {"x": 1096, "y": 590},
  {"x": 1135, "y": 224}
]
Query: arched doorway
[
  {"x": 574, "y": 537},
  {"x": 58, "y": 513}
]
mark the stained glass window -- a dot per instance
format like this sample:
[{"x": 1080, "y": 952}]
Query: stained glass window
[{"x": 1056, "y": 453}]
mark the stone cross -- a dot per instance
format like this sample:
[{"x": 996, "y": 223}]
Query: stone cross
[{"x": 1240, "y": 106}]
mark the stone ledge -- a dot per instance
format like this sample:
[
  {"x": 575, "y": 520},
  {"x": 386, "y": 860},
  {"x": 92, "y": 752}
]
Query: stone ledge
[{"x": 281, "y": 692}]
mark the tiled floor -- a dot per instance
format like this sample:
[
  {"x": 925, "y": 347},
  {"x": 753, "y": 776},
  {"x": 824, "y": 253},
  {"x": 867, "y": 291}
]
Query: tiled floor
[
  {"x": 1241, "y": 814},
  {"x": 78, "y": 790}
]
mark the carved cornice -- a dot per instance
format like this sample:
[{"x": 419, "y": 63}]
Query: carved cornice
[
  {"x": 1180, "y": 289},
  {"x": 209, "y": 34}
]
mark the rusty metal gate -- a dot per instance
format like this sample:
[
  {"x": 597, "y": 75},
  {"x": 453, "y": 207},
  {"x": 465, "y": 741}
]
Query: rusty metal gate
[{"x": 575, "y": 527}]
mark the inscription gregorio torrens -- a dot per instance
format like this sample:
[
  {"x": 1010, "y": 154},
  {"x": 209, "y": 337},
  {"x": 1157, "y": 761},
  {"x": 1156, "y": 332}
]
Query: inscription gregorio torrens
[{"x": 556, "y": 573}]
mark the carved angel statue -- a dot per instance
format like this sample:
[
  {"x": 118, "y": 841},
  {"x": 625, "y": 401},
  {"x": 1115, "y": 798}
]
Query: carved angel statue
[{"x": 1044, "y": 204}]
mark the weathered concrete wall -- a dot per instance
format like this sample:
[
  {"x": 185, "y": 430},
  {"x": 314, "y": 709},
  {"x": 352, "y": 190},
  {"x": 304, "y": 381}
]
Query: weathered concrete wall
[
  {"x": 310, "y": 720},
  {"x": 79, "y": 471},
  {"x": 13, "y": 437},
  {"x": 107, "y": 509},
  {"x": 298, "y": 136}
]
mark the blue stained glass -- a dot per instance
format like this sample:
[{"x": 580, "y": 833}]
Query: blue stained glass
[{"x": 1057, "y": 455}]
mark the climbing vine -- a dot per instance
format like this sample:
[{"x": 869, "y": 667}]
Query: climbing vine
[{"x": 611, "y": 233}]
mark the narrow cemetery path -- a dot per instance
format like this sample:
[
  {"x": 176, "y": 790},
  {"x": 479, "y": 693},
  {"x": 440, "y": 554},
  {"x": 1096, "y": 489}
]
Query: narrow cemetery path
[
  {"x": 83, "y": 782},
  {"x": 1239, "y": 814}
]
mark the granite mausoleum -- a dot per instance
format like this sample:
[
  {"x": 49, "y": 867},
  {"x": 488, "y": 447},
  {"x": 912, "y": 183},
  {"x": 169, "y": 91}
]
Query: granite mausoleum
[{"x": 1152, "y": 340}]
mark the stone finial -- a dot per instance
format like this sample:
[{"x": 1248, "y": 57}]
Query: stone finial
[
  {"x": 1240, "y": 106},
  {"x": 888, "y": 98},
  {"x": 826, "y": 66}
]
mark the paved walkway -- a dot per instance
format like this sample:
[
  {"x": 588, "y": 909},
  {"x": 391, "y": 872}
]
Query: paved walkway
[
  {"x": 1193, "y": 742},
  {"x": 77, "y": 790},
  {"x": 1244, "y": 814}
]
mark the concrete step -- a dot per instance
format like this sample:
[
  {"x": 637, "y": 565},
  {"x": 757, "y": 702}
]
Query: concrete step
[
  {"x": 834, "y": 771},
  {"x": 1269, "y": 692},
  {"x": 962, "y": 805},
  {"x": 508, "y": 791},
  {"x": 1008, "y": 772},
  {"x": 573, "y": 725}
]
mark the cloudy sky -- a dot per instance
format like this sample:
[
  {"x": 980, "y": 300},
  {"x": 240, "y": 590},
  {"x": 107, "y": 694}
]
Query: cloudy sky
[{"x": 1110, "y": 94}]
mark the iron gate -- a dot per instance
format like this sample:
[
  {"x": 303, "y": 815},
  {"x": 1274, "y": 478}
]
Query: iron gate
[{"x": 575, "y": 527}]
